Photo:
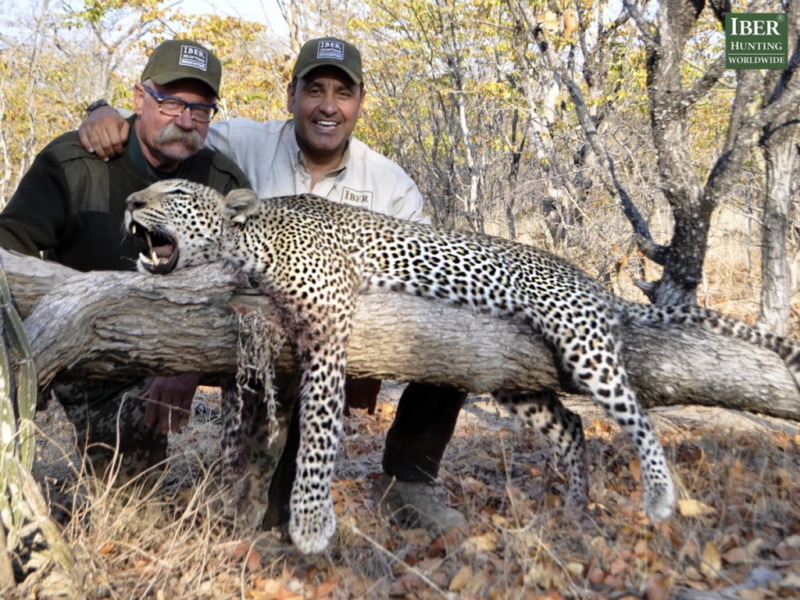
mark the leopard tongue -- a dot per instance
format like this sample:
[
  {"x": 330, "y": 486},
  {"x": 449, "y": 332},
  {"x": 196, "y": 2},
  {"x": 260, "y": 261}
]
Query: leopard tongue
[
  {"x": 161, "y": 253},
  {"x": 164, "y": 251},
  {"x": 158, "y": 252}
]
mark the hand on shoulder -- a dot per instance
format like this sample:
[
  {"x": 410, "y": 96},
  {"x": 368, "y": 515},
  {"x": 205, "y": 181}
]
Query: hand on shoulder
[{"x": 104, "y": 132}]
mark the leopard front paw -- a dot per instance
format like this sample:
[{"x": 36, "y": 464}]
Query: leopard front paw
[
  {"x": 659, "y": 498},
  {"x": 311, "y": 525}
]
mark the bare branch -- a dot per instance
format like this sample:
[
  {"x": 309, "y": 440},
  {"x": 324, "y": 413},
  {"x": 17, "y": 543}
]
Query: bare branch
[
  {"x": 702, "y": 86},
  {"x": 607, "y": 174},
  {"x": 644, "y": 27}
]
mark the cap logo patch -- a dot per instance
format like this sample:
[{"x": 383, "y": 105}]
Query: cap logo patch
[
  {"x": 330, "y": 49},
  {"x": 192, "y": 56}
]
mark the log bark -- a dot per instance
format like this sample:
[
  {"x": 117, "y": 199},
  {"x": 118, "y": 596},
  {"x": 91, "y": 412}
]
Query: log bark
[{"x": 123, "y": 325}]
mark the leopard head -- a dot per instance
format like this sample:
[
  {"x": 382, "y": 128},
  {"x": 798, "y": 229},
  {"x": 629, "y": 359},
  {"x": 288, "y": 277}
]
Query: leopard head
[{"x": 177, "y": 223}]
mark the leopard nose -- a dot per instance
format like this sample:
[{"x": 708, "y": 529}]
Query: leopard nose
[{"x": 133, "y": 202}]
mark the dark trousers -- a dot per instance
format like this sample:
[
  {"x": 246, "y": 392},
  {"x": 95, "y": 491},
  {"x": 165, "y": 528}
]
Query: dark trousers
[
  {"x": 422, "y": 427},
  {"x": 425, "y": 420}
]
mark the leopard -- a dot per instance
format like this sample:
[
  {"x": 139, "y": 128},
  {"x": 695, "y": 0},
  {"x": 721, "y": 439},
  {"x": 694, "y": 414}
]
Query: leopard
[{"x": 313, "y": 257}]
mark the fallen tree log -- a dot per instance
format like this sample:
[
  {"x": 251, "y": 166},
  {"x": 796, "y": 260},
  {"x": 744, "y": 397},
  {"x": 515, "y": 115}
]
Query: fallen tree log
[{"x": 122, "y": 325}]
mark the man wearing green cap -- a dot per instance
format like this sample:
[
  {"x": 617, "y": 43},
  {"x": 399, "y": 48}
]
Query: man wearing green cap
[
  {"x": 315, "y": 152},
  {"x": 69, "y": 208}
]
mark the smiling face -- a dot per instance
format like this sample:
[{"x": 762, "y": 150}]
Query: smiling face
[{"x": 326, "y": 105}]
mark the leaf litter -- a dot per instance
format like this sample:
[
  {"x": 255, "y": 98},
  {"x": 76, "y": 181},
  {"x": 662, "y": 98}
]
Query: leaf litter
[{"x": 735, "y": 533}]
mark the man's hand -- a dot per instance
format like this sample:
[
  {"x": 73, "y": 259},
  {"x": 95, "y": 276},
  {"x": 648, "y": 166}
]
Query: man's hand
[
  {"x": 169, "y": 401},
  {"x": 104, "y": 132}
]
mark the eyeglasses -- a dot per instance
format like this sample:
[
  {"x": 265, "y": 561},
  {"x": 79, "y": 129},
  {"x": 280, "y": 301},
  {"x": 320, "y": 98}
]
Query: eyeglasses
[{"x": 174, "y": 107}]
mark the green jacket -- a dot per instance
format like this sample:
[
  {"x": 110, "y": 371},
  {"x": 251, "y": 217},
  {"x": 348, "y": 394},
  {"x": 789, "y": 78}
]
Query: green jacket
[{"x": 70, "y": 204}]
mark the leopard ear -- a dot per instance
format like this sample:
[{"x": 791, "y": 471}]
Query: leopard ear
[{"x": 239, "y": 204}]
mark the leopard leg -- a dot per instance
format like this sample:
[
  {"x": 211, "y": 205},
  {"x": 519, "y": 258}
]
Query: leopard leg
[
  {"x": 313, "y": 522},
  {"x": 322, "y": 349},
  {"x": 544, "y": 412},
  {"x": 238, "y": 409},
  {"x": 593, "y": 359}
]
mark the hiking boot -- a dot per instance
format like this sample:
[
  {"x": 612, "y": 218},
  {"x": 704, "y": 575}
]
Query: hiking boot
[{"x": 414, "y": 504}]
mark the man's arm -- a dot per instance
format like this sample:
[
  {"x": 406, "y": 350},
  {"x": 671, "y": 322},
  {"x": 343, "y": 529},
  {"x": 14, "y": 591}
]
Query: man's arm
[
  {"x": 407, "y": 203},
  {"x": 395, "y": 192},
  {"x": 104, "y": 132}
]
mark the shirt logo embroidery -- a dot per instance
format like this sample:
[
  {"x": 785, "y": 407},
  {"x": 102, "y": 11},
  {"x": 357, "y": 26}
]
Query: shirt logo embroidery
[
  {"x": 329, "y": 49},
  {"x": 194, "y": 57},
  {"x": 357, "y": 198}
]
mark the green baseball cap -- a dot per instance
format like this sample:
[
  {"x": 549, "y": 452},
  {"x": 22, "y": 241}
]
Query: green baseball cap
[
  {"x": 329, "y": 51},
  {"x": 183, "y": 59}
]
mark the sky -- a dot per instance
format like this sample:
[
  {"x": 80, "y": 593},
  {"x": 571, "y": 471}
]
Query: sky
[{"x": 261, "y": 11}]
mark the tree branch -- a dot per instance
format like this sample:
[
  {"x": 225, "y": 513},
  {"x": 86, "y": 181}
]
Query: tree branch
[
  {"x": 608, "y": 173},
  {"x": 123, "y": 325},
  {"x": 703, "y": 84},
  {"x": 645, "y": 30}
]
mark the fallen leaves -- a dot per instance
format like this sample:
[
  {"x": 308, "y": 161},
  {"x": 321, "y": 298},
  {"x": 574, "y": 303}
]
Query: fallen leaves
[
  {"x": 486, "y": 542},
  {"x": 271, "y": 589},
  {"x": 737, "y": 556},
  {"x": 689, "y": 507},
  {"x": 736, "y": 526},
  {"x": 711, "y": 561},
  {"x": 789, "y": 549},
  {"x": 460, "y": 580}
]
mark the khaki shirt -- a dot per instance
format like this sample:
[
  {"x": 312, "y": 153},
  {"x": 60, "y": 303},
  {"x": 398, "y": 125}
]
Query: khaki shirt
[{"x": 268, "y": 153}]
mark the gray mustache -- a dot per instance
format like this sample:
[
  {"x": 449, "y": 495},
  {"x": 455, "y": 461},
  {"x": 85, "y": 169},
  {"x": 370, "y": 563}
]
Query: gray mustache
[{"x": 172, "y": 133}]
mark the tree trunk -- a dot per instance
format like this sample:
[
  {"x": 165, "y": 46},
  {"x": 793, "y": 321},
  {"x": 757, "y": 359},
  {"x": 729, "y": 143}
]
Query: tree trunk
[
  {"x": 778, "y": 141},
  {"x": 691, "y": 209},
  {"x": 779, "y": 155},
  {"x": 121, "y": 325}
]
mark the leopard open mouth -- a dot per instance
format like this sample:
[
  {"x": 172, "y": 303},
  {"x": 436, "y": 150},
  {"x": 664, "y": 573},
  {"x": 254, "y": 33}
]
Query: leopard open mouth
[{"x": 159, "y": 251}]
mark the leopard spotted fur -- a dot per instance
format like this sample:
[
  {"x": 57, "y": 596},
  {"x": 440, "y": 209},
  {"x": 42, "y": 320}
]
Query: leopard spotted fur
[{"x": 312, "y": 257}]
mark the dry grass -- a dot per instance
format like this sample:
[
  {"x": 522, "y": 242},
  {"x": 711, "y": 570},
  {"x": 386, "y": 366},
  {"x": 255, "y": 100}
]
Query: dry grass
[{"x": 740, "y": 515}]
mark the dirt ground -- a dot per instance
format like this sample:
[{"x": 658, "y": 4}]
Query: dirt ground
[{"x": 736, "y": 533}]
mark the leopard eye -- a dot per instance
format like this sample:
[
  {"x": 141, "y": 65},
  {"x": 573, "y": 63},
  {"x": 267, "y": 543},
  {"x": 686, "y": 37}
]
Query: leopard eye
[{"x": 179, "y": 191}]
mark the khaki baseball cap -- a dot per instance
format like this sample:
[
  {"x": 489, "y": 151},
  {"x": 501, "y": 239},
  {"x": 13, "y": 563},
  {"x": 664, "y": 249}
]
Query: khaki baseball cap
[
  {"x": 332, "y": 52},
  {"x": 183, "y": 59}
]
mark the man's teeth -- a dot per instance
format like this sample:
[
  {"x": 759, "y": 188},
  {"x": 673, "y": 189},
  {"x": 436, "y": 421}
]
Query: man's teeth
[{"x": 327, "y": 123}]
